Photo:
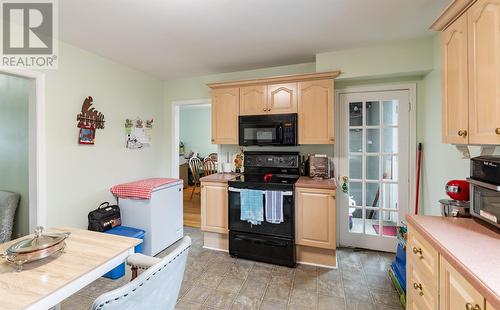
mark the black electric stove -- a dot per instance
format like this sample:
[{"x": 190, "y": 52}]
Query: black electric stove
[{"x": 267, "y": 242}]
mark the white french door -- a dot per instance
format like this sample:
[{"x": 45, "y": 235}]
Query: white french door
[{"x": 374, "y": 164}]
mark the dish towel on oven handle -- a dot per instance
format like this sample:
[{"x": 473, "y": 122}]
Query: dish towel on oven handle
[
  {"x": 274, "y": 207},
  {"x": 252, "y": 206}
]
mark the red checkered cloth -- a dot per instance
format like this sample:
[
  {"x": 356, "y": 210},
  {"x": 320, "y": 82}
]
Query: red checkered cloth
[{"x": 140, "y": 189}]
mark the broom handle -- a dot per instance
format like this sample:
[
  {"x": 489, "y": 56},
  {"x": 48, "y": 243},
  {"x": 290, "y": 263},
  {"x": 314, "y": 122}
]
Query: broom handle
[{"x": 418, "y": 176}]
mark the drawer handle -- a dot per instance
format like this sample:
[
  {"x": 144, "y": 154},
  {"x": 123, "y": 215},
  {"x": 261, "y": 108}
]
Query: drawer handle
[
  {"x": 418, "y": 287},
  {"x": 497, "y": 131},
  {"x": 469, "y": 306},
  {"x": 418, "y": 251}
]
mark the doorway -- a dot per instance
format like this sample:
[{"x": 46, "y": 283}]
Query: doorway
[
  {"x": 191, "y": 121},
  {"x": 22, "y": 150},
  {"x": 376, "y": 129}
]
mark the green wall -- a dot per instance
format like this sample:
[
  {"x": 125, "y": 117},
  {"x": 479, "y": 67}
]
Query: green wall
[
  {"x": 195, "y": 130},
  {"x": 14, "y": 145}
]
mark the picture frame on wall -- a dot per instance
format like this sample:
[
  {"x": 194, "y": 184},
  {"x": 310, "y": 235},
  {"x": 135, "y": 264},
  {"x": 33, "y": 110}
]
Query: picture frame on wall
[{"x": 87, "y": 135}]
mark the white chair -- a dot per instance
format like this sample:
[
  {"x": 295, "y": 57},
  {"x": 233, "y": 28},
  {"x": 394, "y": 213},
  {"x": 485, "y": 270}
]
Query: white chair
[{"x": 156, "y": 288}]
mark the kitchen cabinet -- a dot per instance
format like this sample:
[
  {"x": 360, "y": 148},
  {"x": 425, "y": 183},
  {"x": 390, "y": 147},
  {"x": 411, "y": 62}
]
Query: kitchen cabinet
[
  {"x": 214, "y": 213},
  {"x": 315, "y": 218},
  {"x": 422, "y": 273},
  {"x": 282, "y": 98},
  {"x": 470, "y": 47},
  {"x": 483, "y": 22},
  {"x": 431, "y": 281},
  {"x": 455, "y": 101},
  {"x": 456, "y": 292},
  {"x": 253, "y": 100},
  {"x": 225, "y": 111},
  {"x": 316, "y": 112}
]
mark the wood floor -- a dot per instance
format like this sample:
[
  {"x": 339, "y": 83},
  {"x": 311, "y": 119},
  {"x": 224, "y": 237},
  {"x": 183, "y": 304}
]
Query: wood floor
[{"x": 192, "y": 207}]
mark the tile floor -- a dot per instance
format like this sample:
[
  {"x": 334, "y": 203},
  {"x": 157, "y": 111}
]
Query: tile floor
[{"x": 214, "y": 280}]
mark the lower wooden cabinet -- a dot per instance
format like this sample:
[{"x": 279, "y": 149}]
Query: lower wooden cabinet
[
  {"x": 214, "y": 199},
  {"x": 455, "y": 291},
  {"x": 432, "y": 283},
  {"x": 315, "y": 218}
]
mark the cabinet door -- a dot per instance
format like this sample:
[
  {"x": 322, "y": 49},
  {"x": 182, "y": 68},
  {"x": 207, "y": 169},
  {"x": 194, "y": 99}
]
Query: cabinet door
[
  {"x": 282, "y": 98},
  {"x": 484, "y": 72},
  {"x": 315, "y": 218},
  {"x": 454, "y": 291},
  {"x": 253, "y": 100},
  {"x": 214, "y": 207},
  {"x": 225, "y": 110},
  {"x": 421, "y": 292},
  {"x": 455, "y": 101},
  {"x": 316, "y": 112}
]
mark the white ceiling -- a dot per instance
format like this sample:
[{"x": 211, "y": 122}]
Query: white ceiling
[{"x": 179, "y": 38}]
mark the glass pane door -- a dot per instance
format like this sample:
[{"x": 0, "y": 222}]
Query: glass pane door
[{"x": 373, "y": 151}]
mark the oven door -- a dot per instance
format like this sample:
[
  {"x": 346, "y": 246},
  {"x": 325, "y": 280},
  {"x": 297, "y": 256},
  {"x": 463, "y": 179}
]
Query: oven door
[
  {"x": 485, "y": 201},
  {"x": 285, "y": 229}
]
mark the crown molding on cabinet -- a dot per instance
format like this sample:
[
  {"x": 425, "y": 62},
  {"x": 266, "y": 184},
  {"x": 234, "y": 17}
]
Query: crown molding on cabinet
[
  {"x": 454, "y": 10},
  {"x": 278, "y": 79}
]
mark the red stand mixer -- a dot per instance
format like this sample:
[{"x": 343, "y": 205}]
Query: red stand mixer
[{"x": 458, "y": 205}]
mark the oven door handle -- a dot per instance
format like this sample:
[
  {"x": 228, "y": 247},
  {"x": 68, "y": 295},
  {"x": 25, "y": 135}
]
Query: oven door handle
[
  {"x": 261, "y": 241},
  {"x": 237, "y": 190},
  {"x": 484, "y": 184}
]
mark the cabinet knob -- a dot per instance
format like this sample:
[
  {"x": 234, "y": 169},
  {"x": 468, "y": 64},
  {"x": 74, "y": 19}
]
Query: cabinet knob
[
  {"x": 417, "y": 251},
  {"x": 469, "y": 306},
  {"x": 418, "y": 287},
  {"x": 462, "y": 133},
  {"x": 213, "y": 140},
  {"x": 497, "y": 131}
]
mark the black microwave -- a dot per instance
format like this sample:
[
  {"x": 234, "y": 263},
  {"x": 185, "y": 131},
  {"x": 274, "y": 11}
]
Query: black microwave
[{"x": 262, "y": 130}]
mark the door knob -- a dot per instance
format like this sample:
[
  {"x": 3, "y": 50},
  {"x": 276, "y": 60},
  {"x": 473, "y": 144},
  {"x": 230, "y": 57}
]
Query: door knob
[
  {"x": 497, "y": 131},
  {"x": 462, "y": 133}
]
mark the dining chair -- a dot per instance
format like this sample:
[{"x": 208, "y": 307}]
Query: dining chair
[
  {"x": 196, "y": 167},
  {"x": 209, "y": 167},
  {"x": 212, "y": 157},
  {"x": 157, "y": 287}
]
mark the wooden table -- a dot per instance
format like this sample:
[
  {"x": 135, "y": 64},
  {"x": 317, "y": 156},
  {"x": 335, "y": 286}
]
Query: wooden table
[{"x": 44, "y": 284}]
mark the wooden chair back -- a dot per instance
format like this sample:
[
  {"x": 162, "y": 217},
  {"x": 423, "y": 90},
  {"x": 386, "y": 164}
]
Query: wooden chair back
[
  {"x": 196, "y": 167},
  {"x": 209, "y": 167},
  {"x": 212, "y": 157}
]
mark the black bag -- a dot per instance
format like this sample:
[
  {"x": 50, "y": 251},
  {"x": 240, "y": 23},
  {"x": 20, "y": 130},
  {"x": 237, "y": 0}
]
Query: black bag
[{"x": 104, "y": 217}]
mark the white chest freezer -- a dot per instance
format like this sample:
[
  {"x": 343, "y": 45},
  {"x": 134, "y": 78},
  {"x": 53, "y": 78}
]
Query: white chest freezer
[{"x": 161, "y": 216}]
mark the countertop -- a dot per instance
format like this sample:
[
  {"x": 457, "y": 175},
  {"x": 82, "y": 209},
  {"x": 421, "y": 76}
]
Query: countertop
[
  {"x": 472, "y": 249},
  {"x": 308, "y": 182},
  {"x": 219, "y": 177}
]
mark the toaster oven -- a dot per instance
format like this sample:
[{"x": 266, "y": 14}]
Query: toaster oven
[{"x": 485, "y": 189}]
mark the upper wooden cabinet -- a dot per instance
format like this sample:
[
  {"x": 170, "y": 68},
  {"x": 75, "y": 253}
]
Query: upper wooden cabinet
[
  {"x": 282, "y": 98},
  {"x": 315, "y": 218},
  {"x": 471, "y": 71},
  {"x": 316, "y": 112},
  {"x": 455, "y": 105},
  {"x": 214, "y": 217},
  {"x": 253, "y": 100},
  {"x": 484, "y": 72},
  {"x": 225, "y": 111},
  {"x": 308, "y": 95}
]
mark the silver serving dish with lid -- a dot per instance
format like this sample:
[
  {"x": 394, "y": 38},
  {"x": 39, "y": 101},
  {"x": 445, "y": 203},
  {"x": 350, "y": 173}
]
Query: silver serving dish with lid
[{"x": 35, "y": 248}]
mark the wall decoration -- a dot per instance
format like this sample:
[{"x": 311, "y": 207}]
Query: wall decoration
[
  {"x": 90, "y": 116},
  {"x": 138, "y": 134},
  {"x": 87, "y": 135}
]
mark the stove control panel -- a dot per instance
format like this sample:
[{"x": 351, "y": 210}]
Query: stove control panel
[{"x": 271, "y": 160}]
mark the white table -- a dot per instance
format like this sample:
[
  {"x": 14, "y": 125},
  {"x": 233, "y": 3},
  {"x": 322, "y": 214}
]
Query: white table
[{"x": 46, "y": 283}]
